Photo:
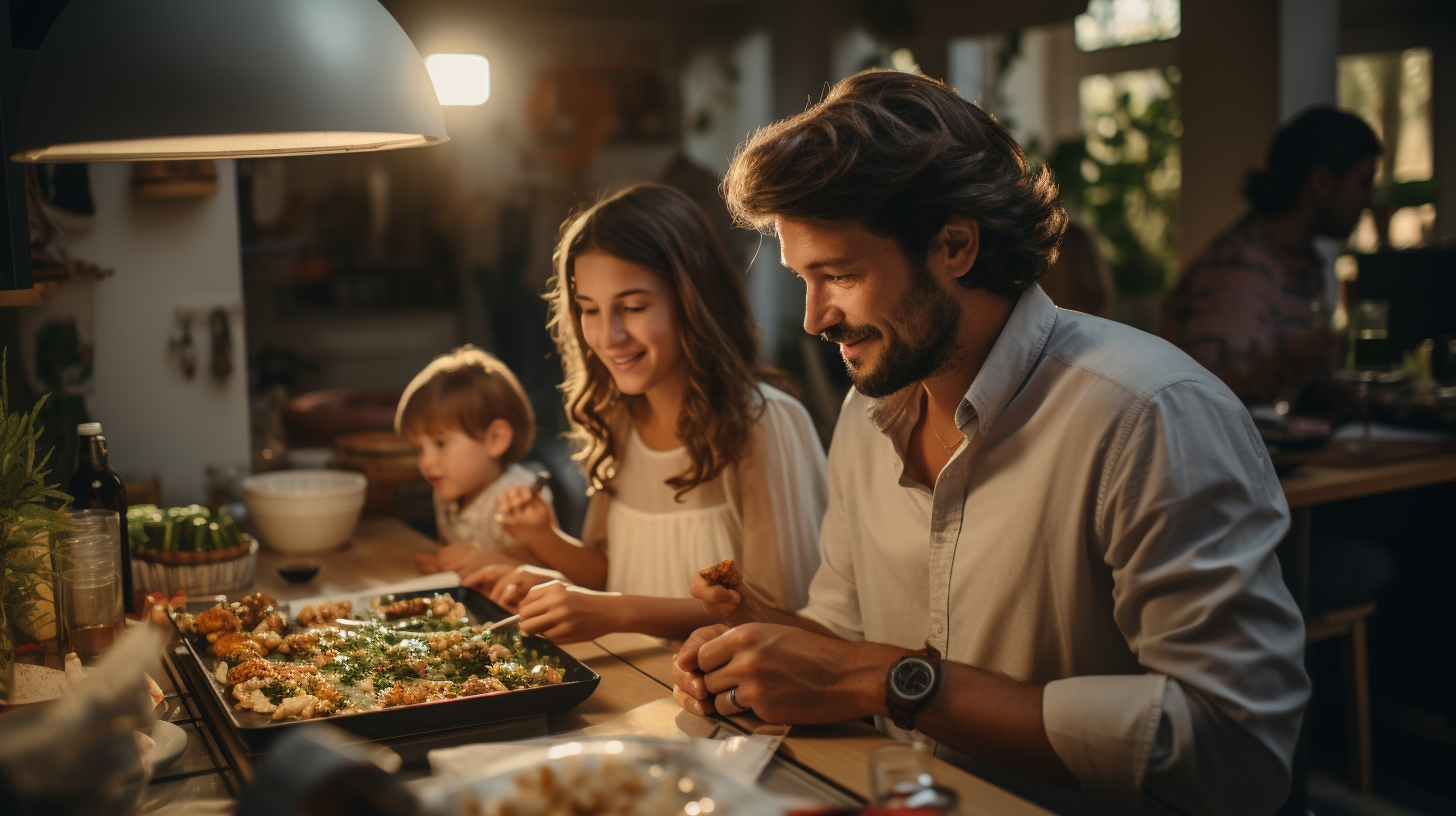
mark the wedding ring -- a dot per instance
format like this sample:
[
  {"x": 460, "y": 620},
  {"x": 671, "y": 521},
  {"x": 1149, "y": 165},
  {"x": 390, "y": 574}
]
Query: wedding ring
[{"x": 733, "y": 698}]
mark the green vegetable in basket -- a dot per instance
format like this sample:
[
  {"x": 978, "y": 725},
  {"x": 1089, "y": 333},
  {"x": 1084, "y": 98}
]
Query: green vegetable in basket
[{"x": 181, "y": 529}]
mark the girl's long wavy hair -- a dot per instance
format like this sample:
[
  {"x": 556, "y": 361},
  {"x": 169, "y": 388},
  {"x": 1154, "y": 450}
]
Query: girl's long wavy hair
[{"x": 659, "y": 228}]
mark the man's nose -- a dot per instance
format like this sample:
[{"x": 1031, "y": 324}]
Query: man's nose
[{"x": 819, "y": 310}]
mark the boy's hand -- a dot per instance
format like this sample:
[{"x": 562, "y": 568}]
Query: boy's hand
[
  {"x": 525, "y": 514},
  {"x": 506, "y": 584},
  {"x": 449, "y": 558}
]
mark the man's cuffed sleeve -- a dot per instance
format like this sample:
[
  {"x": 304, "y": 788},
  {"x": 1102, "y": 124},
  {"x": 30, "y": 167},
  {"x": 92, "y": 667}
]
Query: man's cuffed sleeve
[
  {"x": 1102, "y": 728},
  {"x": 1190, "y": 516}
]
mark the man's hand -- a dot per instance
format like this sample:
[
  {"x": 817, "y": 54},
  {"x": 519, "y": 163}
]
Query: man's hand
[
  {"x": 567, "y": 614},
  {"x": 785, "y": 674},
  {"x": 687, "y": 680}
]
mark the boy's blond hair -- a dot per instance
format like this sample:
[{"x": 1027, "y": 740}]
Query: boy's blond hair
[{"x": 467, "y": 389}]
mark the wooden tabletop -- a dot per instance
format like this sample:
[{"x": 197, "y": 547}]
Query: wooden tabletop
[
  {"x": 636, "y": 673},
  {"x": 838, "y": 752},
  {"x": 1312, "y": 484}
]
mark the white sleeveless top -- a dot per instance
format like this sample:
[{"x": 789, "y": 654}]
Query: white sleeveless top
[
  {"x": 658, "y": 542},
  {"x": 765, "y": 512}
]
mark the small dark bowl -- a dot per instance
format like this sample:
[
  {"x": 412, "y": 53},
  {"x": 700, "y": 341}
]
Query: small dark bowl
[{"x": 299, "y": 572}]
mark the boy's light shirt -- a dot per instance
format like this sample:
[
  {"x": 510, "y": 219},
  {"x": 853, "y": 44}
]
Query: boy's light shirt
[{"x": 476, "y": 523}]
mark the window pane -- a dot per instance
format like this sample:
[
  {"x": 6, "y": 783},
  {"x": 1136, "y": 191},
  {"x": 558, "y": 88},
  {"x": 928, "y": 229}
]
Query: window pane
[{"x": 1110, "y": 23}]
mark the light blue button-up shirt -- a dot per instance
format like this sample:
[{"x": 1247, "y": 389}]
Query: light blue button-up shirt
[{"x": 1106, "y": 527}]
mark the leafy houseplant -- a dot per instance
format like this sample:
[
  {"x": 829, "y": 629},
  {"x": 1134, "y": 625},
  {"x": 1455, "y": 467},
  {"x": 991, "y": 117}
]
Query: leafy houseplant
[{"x": 29, "y": 523}]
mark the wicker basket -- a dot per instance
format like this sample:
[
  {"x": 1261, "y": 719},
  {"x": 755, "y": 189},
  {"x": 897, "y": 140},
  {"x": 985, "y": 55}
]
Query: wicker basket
[{"x": 206, "y": 573}]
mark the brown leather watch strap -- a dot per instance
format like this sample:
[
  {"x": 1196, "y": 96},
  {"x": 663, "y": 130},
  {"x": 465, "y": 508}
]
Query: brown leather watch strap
[{"x": 902, "y": 708}]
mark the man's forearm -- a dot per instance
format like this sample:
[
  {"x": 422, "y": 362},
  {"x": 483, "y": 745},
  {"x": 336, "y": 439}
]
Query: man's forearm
[{"x": 979, "y": 713}]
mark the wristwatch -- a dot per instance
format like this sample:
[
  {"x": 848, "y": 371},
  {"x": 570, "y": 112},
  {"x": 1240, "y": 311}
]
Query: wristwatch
[{"x": 910, "y": 684}]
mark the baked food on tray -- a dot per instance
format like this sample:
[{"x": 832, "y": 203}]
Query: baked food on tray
[{"x": 315, "y": 667}]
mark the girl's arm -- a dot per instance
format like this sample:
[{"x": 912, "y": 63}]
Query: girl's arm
[
  {"x": 532, "y": 522},
  {"x": 571, "y": 614}
]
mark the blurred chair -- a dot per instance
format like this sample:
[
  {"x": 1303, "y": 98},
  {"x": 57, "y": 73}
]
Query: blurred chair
[
  {"x": 1080, "y": 280},
  {"x": 1349, "y": 623}
]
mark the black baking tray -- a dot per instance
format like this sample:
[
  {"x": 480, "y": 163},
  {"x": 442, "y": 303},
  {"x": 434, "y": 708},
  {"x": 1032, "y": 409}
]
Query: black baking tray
[{"x": 577, "y": 683}]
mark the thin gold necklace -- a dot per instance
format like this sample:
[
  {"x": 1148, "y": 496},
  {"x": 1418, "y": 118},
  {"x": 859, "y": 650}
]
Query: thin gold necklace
[{"x": 929, "y": 420}]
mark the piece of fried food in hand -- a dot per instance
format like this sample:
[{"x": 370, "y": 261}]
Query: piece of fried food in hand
[{"x": 723, "y": 574}]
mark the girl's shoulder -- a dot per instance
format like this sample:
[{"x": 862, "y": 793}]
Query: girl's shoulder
[{"x": 777, "y": 405}]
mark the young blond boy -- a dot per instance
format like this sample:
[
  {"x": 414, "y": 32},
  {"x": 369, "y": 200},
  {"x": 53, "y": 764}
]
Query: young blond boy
[{"x": 472, "y": 424}]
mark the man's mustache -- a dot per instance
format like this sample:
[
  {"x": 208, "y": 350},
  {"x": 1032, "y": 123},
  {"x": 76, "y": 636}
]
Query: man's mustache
[{"x": 844, "y": 335}]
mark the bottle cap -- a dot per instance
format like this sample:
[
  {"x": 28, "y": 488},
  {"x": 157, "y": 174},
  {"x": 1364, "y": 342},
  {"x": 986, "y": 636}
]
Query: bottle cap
[{"x": 89, "y": 428}]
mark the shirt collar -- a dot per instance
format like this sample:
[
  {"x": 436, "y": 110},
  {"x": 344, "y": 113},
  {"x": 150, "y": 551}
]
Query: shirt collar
[{"x": 1012, "y": 359}]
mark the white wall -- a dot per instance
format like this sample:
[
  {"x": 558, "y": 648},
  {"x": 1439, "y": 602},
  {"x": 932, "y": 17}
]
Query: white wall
[
  {"x": 168, "y": 254},
  {"x": 1309, "y": 45}
]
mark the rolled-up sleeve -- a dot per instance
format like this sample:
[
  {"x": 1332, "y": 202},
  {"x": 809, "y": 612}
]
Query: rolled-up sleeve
[{"x": 1189, "y": 515}]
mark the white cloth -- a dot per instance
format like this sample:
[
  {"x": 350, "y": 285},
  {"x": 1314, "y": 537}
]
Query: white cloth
[
  {"x": 477, "y": 523},
  {"x": 765, "y": 512},
  {"x": 1107, "y": 528}
]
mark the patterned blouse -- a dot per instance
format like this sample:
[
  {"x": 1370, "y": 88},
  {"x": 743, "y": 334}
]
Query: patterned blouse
[{"x": 1246, "y": 296}]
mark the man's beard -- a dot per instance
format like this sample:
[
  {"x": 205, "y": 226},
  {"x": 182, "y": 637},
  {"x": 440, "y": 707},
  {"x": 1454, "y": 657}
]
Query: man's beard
[{"x": 917, "y": 343}]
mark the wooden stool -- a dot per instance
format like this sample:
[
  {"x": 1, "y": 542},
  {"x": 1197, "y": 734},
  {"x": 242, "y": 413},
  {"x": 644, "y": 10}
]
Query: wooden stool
[{"x": 1349, "y": 623}]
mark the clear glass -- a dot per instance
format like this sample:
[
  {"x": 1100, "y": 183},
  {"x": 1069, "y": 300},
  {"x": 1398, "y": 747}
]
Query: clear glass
[
  {"x": 900, "y": 778},
  {"x": 91, "y": 595},
  {"x": 91, "y": 610},
  {"x": 1370, "y": 336}
]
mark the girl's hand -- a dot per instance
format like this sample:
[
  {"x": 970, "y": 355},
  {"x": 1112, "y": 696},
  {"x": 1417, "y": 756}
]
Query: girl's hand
[
  {"x": 735, "y": 606},
  {"x": 508, "y": 584},
  {"x": 567, "y": 614},
  {"x": 525, "y": 514}
]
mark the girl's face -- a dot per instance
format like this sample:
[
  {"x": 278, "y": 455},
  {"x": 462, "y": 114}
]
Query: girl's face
[{"x": 629, "y": 319}]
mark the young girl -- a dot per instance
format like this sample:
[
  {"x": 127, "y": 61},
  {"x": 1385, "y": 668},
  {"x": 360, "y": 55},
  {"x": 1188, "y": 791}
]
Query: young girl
[
  {"x": 691, "y": 458},
  {"x": 470, "y": 419}
]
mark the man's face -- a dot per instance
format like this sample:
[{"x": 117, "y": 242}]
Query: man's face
[
  {"x": 1349, "y": 196},
  {"x": 893, "y": 323}
]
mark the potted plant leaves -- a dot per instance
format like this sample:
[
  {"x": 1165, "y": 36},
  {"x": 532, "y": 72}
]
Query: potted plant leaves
[{"x": 29, "y": 522}]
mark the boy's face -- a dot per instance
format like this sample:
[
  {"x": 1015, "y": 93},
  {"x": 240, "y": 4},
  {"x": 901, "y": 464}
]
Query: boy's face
[{"x": 457, "y": 465}]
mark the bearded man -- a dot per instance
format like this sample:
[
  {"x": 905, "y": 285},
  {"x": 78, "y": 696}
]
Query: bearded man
[{"x": 1050, "y": 539}]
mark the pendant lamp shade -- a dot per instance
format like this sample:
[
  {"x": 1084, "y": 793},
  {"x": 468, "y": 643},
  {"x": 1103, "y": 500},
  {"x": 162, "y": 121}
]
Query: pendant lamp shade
[{"x": 132, "y": 80}]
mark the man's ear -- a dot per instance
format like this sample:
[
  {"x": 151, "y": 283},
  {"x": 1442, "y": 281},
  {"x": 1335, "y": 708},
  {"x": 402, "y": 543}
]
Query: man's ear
[
  {"x": 498, "y": 438},
  {"x": 1321, "y": 183},
  {"x": 957, "y": 246}
]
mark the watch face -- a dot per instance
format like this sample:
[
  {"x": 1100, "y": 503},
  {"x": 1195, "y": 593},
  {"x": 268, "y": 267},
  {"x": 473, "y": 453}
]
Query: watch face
[{"x": 913, "y": 678}]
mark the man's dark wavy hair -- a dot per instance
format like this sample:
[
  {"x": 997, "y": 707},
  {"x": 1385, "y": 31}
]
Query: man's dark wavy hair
[
  {"x": 1319, "y": 137},
  {"x": 898, "y": 154}
]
